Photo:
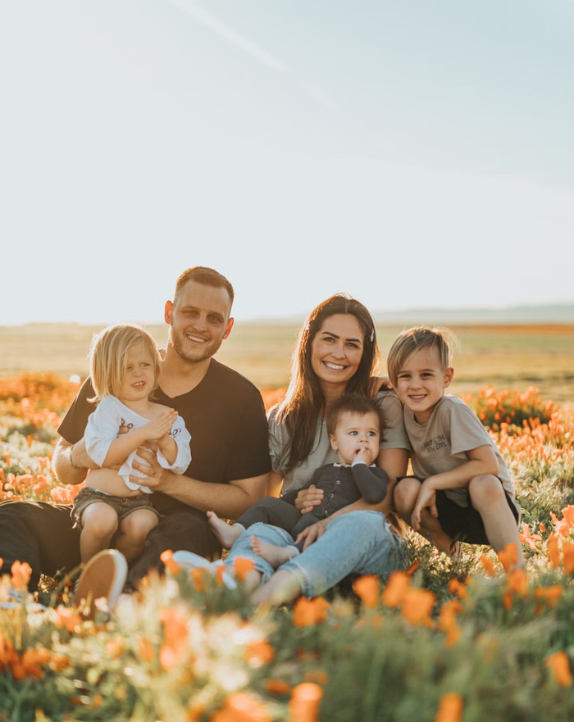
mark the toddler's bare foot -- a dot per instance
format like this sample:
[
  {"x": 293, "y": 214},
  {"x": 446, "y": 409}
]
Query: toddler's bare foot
[
  {"x": 226, "y": 533},
  {"x": 276, "y": 556}
]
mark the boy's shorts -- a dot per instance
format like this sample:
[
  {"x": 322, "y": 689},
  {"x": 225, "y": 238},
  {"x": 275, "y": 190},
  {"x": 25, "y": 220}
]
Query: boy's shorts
[
  {"x": 462, "y": 523},
  {"x": 122, "y": 505}
]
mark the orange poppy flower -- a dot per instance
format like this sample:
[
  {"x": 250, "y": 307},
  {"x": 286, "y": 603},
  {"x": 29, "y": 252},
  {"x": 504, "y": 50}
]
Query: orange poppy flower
[
  {"x": 304, "y": 703},
  {"x": 507, "y": 599},
  {"x": 508, "y": 557},
  {"x": 455, "y": 586},
  {"x": 552, "y": 594},
  {"x": 560, "y": 666},
  {"x": 219, "y": 572},
  {"x": 115, "y": 647},
  {"x": 396, "y": 588},
  {"x": 416, "y": 606},
  {"x": 308, "y": 612},
  {"x": 553, "y": 551},
  {"x": 21, "y": 573},
  {"x": 487, "y": 565},
  {"x": 367, "y": 589},
  {"x": 450, "y": 708},
  {"x": 259, "y": 653},
  {"x": 171, "y": 566},
  {"x": 242, "y": 567},
  {"x": 241, "y": 707},
  {"x": 518, "y": 581},
  {"x": 198, "y": 578},
  {"x": 562, "y": 527},
  {"x": 277, "y": 686},
  {"x": 68, "y": 618},
  {"x": 175, "y": 634},
  {"x": 568, "y": 514},
  {"x": 413, "y": 567},
  {"x": 568, "y": 556}
]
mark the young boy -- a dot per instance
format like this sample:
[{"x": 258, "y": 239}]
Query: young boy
[
  {"x": 354, "y": 427},
  {"x": 461, "y": 489}
]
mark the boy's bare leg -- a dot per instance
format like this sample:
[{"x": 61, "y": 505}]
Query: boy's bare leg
[
  {"x": 405, "y": 497},
  {"x": 281, "y": 588},
  {"x": 99, "y": 524},
  {"x": 134, "y": 531},
  {"x": 227, "y": 534},
  {"x": 275, "y": 555},
  {"x": 489, "y": 499}
]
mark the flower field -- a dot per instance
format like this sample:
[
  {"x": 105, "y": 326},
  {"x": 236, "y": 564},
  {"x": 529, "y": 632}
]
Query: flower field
[{"x": 441, "y": 642}]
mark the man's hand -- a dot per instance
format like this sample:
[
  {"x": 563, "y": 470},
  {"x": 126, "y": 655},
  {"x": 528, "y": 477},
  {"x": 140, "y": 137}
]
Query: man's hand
[
  {"x": 312, "y": 533},
  {"x": 426, "y": 498},
  {"x": 156, "y": 477},
  {"x": 308, "y": 499}
]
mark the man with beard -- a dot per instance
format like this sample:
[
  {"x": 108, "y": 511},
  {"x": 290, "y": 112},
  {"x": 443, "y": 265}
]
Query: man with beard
[{"x": 222, "y": 411}]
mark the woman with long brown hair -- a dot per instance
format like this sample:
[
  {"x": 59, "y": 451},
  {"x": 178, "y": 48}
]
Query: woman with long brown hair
[{"x": 336, "y": 353}]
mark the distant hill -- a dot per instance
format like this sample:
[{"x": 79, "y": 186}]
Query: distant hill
[{"x": 555, "y": 313}]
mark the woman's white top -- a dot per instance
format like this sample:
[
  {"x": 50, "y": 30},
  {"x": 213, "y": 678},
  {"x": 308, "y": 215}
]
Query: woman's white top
[{"x": 102, "y": 429}]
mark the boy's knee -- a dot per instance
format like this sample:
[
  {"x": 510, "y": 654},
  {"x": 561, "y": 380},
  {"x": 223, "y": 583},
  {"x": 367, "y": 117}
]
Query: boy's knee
[
  {"x": 405, "y": 494},
  {"x": 485, "y": 490}
]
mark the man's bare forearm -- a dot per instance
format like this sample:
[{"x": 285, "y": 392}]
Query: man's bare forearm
[
  {"x": 62, "y": 467},
  {"x": 226, "y": 500}
]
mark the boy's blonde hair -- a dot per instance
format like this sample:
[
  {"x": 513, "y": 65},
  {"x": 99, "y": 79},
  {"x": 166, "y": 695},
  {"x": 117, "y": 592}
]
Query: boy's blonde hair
[
  {"x": 414, "y": 339},
  {"x": 109, "y": 357}
]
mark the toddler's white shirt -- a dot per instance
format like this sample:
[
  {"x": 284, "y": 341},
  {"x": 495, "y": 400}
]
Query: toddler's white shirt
[{"x": 102, "y": 429}]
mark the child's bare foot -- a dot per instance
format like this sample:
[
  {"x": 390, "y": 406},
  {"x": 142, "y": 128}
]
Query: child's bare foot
[
  {"x": 226, "y": 533},
  {"x": 276, "y": 556}
]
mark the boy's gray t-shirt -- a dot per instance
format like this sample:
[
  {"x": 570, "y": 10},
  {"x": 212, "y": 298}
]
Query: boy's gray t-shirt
[
  {"x": 394, "y": 437},
  {"x": 441, "y": 444}
]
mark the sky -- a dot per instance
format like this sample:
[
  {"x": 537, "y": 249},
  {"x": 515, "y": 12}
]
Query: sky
[{"x": 413, "y": 154}]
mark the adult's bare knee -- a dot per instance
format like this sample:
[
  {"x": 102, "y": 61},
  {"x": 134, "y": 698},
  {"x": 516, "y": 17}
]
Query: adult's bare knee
[{"x": 405, "y": 495}]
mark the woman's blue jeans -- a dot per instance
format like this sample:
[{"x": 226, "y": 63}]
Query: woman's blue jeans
[{"x": 359, "y": 542}]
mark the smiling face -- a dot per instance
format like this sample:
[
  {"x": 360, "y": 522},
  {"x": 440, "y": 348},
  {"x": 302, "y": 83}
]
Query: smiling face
[
  {"x": 199, "y": 321},
  {"x": 355, "y": 432},
  {"x": 139, "y": 378},
  {"x": 421, "y": 382},
  {"x": 337, "y": 349}
]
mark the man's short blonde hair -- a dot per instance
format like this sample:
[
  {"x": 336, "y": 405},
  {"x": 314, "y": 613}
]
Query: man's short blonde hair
[
  {"x": 109, "y": 357},
  {"x": 413, "y": 340}
]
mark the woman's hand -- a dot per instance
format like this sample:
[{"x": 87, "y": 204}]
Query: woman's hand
[
  {"x": 308, "y": 499},
  {"x": 312, "y": 533},
  {"x": 376, "y": 383}
]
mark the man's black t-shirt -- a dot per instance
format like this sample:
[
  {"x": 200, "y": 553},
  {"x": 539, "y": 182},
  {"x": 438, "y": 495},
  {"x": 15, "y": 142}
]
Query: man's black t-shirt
[{"x": 225, "y": 416}]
